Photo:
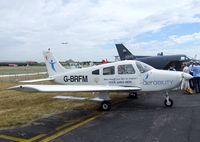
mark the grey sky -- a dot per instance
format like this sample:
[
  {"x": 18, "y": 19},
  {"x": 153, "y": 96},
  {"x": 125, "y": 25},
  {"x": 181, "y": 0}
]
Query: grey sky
[{"x": 91, "y": 27}]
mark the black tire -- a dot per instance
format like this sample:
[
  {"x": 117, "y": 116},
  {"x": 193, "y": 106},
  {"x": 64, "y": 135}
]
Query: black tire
[
  {"x": 105, "y": 105},
  {"x": 169, "y": 104},
  {"x": 133, "y": 95}
]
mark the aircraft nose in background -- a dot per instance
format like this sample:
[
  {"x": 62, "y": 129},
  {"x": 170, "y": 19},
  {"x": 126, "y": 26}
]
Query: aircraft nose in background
[{"x": 187, "y": 76}]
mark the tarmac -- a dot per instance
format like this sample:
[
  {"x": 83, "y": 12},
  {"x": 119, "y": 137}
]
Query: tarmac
[{"x": 142, "y": 120}]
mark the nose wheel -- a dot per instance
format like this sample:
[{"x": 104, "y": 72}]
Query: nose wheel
[{"x": 168, "y": 102}]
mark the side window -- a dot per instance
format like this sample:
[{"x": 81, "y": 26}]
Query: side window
[
  {"x": 95, "y": 72},
  {"x": 109, "y": 70},
  {"x": 125, "y": 69}
]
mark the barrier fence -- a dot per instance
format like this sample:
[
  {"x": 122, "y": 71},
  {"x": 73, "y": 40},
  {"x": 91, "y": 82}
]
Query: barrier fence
[{"x": 21, "y": 77}]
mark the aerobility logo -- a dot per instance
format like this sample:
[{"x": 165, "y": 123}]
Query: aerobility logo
[
  {"x": 146, "y": 81},
  {"x": 52, "y": 63}
]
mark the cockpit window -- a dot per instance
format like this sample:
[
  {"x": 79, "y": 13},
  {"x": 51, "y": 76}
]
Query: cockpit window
[
  {"x": 187, "y": 58},
  {"x": 183, "y": 58},
  {"x": 125, "y": 69},
  {"x": 142, "y": 67}
]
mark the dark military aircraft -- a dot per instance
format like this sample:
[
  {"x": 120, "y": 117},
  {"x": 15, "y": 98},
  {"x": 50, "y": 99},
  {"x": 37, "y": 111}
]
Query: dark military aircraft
[{"x": 159, "y": 62}]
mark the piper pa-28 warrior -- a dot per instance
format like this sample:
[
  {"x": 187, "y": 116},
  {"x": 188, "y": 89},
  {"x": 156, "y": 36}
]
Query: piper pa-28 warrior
[{"x": 122, "y": 76}]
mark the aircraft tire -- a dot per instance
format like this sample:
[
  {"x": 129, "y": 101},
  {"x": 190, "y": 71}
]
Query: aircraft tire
[
  {"x": 168, "y": 104},
  {"x": 105, "y": 105},
  {"x": 133, "y": 95}
]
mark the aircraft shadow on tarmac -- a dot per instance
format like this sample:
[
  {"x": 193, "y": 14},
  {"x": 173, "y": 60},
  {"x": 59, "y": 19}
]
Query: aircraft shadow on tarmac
[{"x": 155, "y": 101}]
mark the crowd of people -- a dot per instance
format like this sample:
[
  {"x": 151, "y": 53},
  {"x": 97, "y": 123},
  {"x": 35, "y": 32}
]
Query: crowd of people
[{"x": 194, "y": 84}]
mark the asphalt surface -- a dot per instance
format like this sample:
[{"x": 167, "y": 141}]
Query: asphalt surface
[{"x": 142, "y": 120}]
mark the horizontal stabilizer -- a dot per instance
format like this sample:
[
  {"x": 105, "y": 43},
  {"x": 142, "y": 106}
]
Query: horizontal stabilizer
[
  {"x": 97, "y": 99},
  {"x": 72, "y": 88},
  {"x": 38, "y": 80}
]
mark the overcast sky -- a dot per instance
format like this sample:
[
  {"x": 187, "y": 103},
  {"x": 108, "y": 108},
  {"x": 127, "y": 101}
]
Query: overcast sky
[{"x": 93, "y": 27}]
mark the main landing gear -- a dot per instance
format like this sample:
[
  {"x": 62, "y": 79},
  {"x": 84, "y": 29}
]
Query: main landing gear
[
  {"x": 105, "y": 104},
  {"x": 168, "y": 102}
]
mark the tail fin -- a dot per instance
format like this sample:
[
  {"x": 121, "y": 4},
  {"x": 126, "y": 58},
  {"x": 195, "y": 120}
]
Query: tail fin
[
  {"x": 52, "y": 64},
  {"x": 124, "y": 53}
]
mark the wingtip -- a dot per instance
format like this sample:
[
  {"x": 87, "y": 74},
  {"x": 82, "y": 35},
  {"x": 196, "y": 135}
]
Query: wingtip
[{"x": 15, "y": 87}]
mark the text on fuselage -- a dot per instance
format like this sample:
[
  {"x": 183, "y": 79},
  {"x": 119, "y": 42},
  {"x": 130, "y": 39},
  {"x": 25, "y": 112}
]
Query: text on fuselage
[
  {"x": 158, "y": 82},
  {"x": 76, "y": 78}
]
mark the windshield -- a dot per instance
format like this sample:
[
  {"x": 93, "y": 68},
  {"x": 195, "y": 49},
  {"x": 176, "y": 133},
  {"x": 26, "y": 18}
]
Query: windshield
[{"x": 142, "y": 67}]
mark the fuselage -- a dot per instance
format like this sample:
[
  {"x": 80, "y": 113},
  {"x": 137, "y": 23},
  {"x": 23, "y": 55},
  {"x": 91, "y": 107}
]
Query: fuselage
[
  {"x": 164, "y": 62},
  {"x": 122, "y": 73}
]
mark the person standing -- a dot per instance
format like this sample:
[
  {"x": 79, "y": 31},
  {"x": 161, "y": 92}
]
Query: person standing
[
  {"x": 196, "y": 79},
  {"x": 185, "y": 83},
  {"x": 192, "y": 64}
]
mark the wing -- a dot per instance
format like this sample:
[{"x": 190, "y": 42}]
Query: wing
[
  {"x": 38, "y": 80},
  {"x": 96, "y": 99},
  {"x": 72, "y": 88}
]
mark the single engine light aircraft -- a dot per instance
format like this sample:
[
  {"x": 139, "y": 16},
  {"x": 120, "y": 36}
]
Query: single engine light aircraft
[{"x": 122, "y": 76}]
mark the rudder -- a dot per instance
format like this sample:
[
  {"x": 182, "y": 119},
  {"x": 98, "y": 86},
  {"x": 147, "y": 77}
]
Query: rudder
[
  {"x": 52, "y": 64},
  {"x": 124, "y": 53}
]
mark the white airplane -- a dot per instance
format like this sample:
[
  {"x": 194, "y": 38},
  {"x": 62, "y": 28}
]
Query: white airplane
[{"x": 122, "y": 76}]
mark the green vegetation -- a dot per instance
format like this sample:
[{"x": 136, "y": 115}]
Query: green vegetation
[{"x": 21, "y": 69}]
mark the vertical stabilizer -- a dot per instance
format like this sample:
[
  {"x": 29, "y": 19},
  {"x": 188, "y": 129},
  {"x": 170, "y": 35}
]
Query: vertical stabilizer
[
  {"x": 52, "y": 64},
  {"x": 124, "y": 53}
]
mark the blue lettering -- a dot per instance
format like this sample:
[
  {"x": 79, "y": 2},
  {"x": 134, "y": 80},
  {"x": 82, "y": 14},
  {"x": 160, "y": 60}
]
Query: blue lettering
[{"x": 158, "y": 82}]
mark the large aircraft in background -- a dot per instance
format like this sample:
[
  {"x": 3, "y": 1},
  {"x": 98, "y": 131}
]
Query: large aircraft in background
[
  {"x": 122, "y": 76},
  {"x": 158, "y": 62}
]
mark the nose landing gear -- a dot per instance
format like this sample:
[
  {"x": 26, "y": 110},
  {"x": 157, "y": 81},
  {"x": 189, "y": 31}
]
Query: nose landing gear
[{"x": 168, "y": 102}]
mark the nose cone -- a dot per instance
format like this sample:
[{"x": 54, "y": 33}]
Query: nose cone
[{"x": 187, "y": 76}]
